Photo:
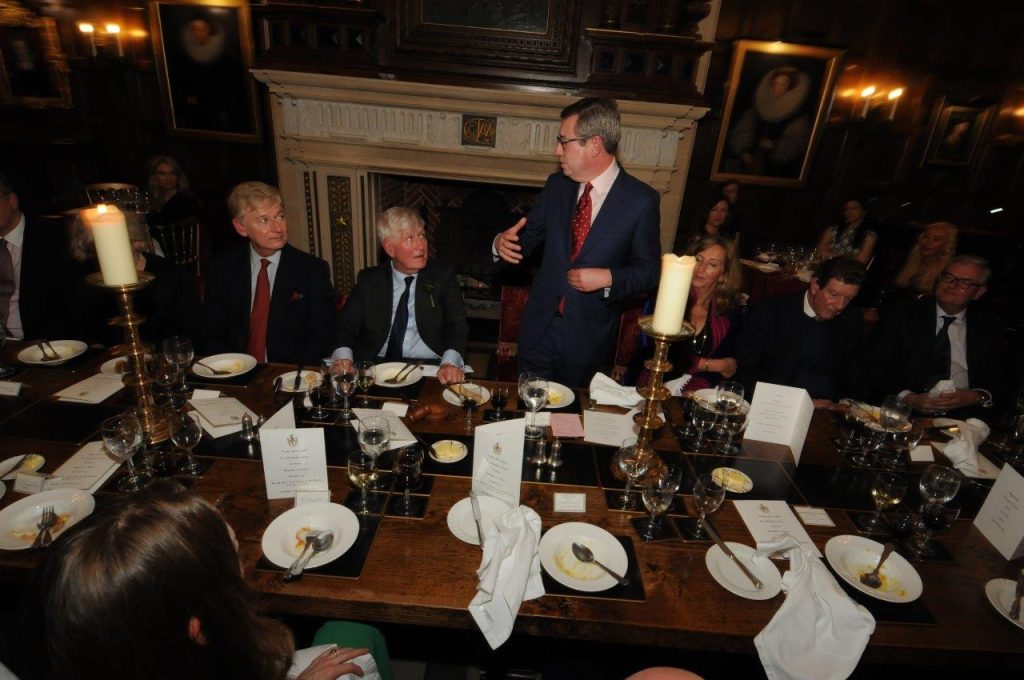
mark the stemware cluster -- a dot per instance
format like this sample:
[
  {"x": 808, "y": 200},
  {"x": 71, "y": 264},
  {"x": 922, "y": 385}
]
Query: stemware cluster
[{"x": 717, "y": 422}]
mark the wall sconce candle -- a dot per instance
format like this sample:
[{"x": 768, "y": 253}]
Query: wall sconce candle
[
  {"x": 90, "y": 31},
  {"x": 866, "y": 94},
  {"x": 894, "y": 97},
  {"x": 115, "y": 30}
]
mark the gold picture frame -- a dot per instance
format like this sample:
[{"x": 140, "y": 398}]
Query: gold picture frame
[
  {"x": 203, "y": 54},
  {"x": 955, "y": 133},
  {"x": 33, "y": 71},
  {"x": 777, "y": 103}
]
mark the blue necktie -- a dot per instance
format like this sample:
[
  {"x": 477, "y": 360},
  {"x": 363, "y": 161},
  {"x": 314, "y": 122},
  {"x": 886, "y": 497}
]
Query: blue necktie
[{"x": 399, "y": 325}]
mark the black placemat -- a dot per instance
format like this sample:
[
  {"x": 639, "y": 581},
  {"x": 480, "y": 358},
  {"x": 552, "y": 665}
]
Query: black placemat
[
  {"x": 663, "y": 525},
  {"x": 417, "y": 506},
  {"x": 349, "y": 565},
  {"x": 634, "y": 591},
  {"x": 771, "y": 483},
  {"x": 577, "y": 466},
  {"x": 60, "y": 421},
  {"x": 71, "y": 364},
  {"x": 407, "y": 393},
  {"x": 887, "y": 612}
]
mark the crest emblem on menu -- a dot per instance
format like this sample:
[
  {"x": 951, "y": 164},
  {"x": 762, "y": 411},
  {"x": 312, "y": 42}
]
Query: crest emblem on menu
[
  {"x": 293, "y": 440},
  {"x": 763, "y": 508},
  {"x": 497, "y": 448}
]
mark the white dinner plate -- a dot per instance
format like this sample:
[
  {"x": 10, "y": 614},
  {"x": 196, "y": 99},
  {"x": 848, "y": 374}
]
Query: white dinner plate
[
  {"x": 729, "y": 576},
  {"x": 852, "y": 556},
  {"x": 390, "y": 369},
  {"x": 3, "y": 489},
  {"x": 485, "y": 394},
  {"x": 19, "y": 520},
  {"x": 559, "y": 396},
  {"x": 67, "y": 349},
  {"x": 116, "y": 366},
  {"x": 32, "y": 463},
  {"x": 460, "y": 517},
  {"x": 708, "y": 394},
  {"x": 557, "y": 559},
  {"x": 281, "y": 541},
  {"x": 309, "y": 379},
  {"x": 448, "y": 451},
  {"x": 999, "y": 592},
  {"x": 236, "y": 363},
  {"x": 732, "y": 479}
]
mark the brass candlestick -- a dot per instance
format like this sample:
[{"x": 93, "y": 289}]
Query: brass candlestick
[
  {"x": 152, "y": 418},
  {"x": 654, "y": 392}
]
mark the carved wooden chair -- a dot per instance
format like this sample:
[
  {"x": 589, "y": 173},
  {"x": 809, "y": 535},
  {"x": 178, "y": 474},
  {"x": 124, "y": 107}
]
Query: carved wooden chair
[
  {"x": 513, "y": 300},
  {"x": 180, "y": 242}
]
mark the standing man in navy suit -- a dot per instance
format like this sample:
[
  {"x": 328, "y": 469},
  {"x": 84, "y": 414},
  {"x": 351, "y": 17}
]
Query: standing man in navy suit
[
  {"x": 267, "y": 298},
  {"x": 600, "y": 230}
]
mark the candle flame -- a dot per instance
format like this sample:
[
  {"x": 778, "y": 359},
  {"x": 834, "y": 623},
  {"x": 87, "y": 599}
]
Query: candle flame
[
  {"x": 102, "y": 208},
  {"x": 86, "y": 28},
  {"x": 867, "y": 91},
  {"x": 112, "y": 28},
  {"x": 848, "y": 93},
  {"x": 896, "y": 94}
]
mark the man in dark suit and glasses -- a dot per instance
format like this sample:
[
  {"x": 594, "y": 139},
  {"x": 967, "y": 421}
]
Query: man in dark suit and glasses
[
  {"x": 267, "y": 298},
  {"x": 943, "y": 338},
  {"x": 599, "y": 226},
  {"x": 405, "y": 308}
]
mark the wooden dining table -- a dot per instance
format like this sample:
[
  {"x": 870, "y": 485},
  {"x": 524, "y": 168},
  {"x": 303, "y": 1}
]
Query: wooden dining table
[{"x": 413, "y": 570}]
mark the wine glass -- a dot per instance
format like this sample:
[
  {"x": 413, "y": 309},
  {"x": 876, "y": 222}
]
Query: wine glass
[
  {"x": 186, "y": 434},
  {"x": 887, "y": 490},
  {"x": 728, "y": 396},
  {"x": 362, "y": 472},
  {"x": 5, "y": 371},
  {"x": 708, "y": 496},
  {"x": 634, "y": 464},
  {"x": 408, "y": 468},
  {"x": 726, "y": 428},
  {"x": 533, "y": 390},
  {"x": 343, "y": 381},
  {"x": 374, "y": 436},
  {"x": 122, "y": 437},
  {"x": 658, "y": 492},
  {"x": 904, "y": 441},
  {"x": 166, "y": 373},
  {"x": 179, "y": 351},
  {"x": 364, "y": 377},
  {"x": 893, "y": 412},
  {"x": 471, "y": 397},
  {"x": 499, "y": 397},
  {"x": 938, "y": 485},
  {"x": 703, "y": 419},
  {"x": 319, "y": 396}
]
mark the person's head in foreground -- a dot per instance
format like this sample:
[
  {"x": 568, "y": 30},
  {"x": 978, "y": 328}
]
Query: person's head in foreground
[{"x": 834, "y": 285}]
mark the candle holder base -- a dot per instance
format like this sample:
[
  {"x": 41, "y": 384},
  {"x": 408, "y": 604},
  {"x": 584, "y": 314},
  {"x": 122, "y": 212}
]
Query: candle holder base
[{"x": 648, "y": 420}]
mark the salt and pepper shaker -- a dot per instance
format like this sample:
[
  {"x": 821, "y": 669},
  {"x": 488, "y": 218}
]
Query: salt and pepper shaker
[
  {"x": 539, "y": 455},
  {"x": 248, "y": 431},
  {"x": 555, "y": 458}
]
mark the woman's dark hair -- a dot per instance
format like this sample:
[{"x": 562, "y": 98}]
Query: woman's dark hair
[
  {"x": 701, "y": 217},
  {"x": 727, "y": 291},
  {"x": 119, "y": 592}
]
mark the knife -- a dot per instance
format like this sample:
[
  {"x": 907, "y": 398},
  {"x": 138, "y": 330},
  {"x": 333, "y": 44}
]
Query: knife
[
  {"x": 476, "y": 517},
  {"x": 16, "y": 467},
  {"x": 298, "y": 378},
  {"x": 731, "y": 555},
  {"x": 1018, "y": 594}
]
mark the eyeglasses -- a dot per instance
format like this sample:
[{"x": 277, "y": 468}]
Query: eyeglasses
[
  {"x": 959, "y": 282},
  {"x": 564, "y": 140}
]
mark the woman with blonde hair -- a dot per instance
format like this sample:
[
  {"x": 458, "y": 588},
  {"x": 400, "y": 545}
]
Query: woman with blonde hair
[
  {"x": 935, "y": 247},
  {"x": 170, "y": 199}
]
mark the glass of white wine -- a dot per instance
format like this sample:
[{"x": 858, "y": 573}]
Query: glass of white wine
[
  {"x": 362, "y": 472},
  {"x": 533, "y": 391},
  {"x": 365, "y": 372},
  {"x": 658, "y": 492},
  {"x": 887, "y": 491}
]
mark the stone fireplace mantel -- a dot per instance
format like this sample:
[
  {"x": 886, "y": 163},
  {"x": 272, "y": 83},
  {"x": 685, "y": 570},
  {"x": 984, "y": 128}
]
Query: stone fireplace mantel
[{"x": 333, "y": 133}]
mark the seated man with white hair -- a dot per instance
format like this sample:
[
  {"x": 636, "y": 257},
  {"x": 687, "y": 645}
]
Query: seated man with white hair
[{"x": 405, "y": 308}]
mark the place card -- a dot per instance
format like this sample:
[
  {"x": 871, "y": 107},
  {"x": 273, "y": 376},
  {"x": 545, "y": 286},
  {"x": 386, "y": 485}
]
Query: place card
[
  {"x": 284, "y": 419},
  {"x": 817, "y": 517},
  {"x": 607, "y": 428},
  {"x": 498, "y": 460},
  {"x": 566, "y": 425},
  {"x": 293, "y": 460},
  {"x": 396, "y": 407},
  {"x": 93, "y": 389},
  {"x": 9, "y": 389},
  {"x": 570, "y": 502},
  {"x": 29, "y": 482},
  {"x": 768, "y": 521},
  {"x": 87, "y": 469},
  {"x": 220, "y": 412},
  {"x": 1001, "y": 517},
  {"x": 400, "y": 434},
  {"x": 780, "y": 414},
  {"x": 205, "y": 394},
  {"x": 922, "y": 454},
  {"x": 304, "y": 497}
]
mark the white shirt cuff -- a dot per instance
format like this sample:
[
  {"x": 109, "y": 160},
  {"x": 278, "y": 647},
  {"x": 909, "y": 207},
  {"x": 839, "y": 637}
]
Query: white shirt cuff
[
  {"x": 342, "y": 353},
  {"x": 452, "y": 357}
]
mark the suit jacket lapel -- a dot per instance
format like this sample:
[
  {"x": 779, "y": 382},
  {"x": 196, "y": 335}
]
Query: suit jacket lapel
[
  {"x": 282, "y": 288},
  {"x": 242, "y": 303},
  {"x": 609, "y": 210}
]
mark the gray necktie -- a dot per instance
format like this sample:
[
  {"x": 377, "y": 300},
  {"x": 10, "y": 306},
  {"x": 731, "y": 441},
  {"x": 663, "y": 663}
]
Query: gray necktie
[{"x": 6, "y": 281}]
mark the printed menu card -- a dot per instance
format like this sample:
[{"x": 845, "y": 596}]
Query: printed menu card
[
  {"x": 767, "y": 521},
  {"x": 1001, "y": 518},
  {"x": 293, "y": 460},
  {"x": 88, "y": 469},
  {"x": 780, "y": 415},
  {"x": 607, "y": 428},
  {"x": 498, "y": 460}
]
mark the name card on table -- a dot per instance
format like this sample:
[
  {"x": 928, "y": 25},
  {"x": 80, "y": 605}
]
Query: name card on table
[
  {"x": 1001, "y": 517},
  {"x": 498, "y": 460},
  {"x": 768, "y": 521},
  {"x": 293, "y": 460},
  {"x": 401, "y": 436},
  {"x": 780, "y": 414},
  {"x": 9, "y": 389},
  {"x": 609, "y": 429},
  {"x": 220, "y": 412}
]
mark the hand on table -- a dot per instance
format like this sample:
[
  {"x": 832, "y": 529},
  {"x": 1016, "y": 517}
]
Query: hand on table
[
  {"x": 946, "y": 401},
  {"x": 507, "y": 243},
  {"x": 589, "y": 279},
  {"x": 448, "y": 374},
  {"x": 342, "y": 366},
  {"x": 333, "y": 663}
]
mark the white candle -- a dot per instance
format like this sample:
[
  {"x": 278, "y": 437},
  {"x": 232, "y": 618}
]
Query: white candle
[
  {"x": 113, "y": 247},
  {"x": 676, "y": 275}
]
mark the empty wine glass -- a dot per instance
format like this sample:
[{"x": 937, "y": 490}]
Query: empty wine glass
[
  {"x": 365, "y": 376},
  {"x": 179, "y": 351},
  {"x": 533, "y": 390},
  {"x": 633, "y": 464},
  {"x": 408, "y": 469},
  {"x": 707, "y": 498},
  {"x": 728, "y": 396},
  {"x": 887, "y": 490},
  {"x": 658, "y": 492},
  {"x": 893, "y": 412},
  {"x": 122, "y": 437},
  {"x": 186, "y": 434},
  {"x": 703, "y": 419},
  {"x": 904, "y": 441},
  {"x": 343, "y": 381},
  {"x": 938, "y": 485}
]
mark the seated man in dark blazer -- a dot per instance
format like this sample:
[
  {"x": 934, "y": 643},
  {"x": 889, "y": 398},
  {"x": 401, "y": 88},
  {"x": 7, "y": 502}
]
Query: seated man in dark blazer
[
  {"x": 405, "y": 308},
  {"x": 808, "y": 339},
  {"x": 266, "y": 298},
  {"x": 917, "y": 343}
]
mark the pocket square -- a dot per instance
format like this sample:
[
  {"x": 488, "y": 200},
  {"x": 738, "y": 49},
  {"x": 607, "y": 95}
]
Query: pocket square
[{"x": 297, "y": 296}]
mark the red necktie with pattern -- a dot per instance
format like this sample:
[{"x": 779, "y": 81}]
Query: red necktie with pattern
[
  {"x": 580, "y": 226},
  {"x": 257, "y": 346}
]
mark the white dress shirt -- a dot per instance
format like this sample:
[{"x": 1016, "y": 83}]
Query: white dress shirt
[{"x": 957, "y": 346}]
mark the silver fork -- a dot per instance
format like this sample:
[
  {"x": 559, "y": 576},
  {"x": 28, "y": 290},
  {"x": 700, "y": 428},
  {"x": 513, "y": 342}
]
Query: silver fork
[
  {"x": 46, "y": 521},
  {"x": 42, "y": 345}
]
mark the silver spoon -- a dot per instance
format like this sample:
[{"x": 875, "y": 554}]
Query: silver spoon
[
  {"x": 316, "y": 542},
  {"x": 211, "y": 369},
  {"x": 872, "y": 579},
  {"x": 584, "y": 554}
]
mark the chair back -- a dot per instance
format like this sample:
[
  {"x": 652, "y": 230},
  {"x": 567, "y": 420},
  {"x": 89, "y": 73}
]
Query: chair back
[
  {"x": 180, "y": 242},
  {"x": 513, "y": 300},
  {"x": 629, "y": 337},
  {"x": 127, "y": 197}
]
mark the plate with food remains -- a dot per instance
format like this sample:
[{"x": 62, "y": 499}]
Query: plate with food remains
[
  {"x": 391, "y": 369},
  {"x": 117, "y": 365},
  {"x": 235, "y": 364},
  {"x": 559, "y": 396},
  {"x": 65, "y": 349},
  {"x": 448, "y": 451},
  {"x": 285, "y": 538},
  {"x": 19, "y": 521},
  {"x": 308, "y": 381},
  {"x": 453, "y": 394},
  {"x": 852, "y": 556},
  {"x": 561, "y": 564},
  {"x": 732, "y": 479}
]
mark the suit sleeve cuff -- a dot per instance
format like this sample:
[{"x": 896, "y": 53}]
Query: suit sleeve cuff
[
  {"x": 342, "y": 353},
  {"x": 452, "y": 357},
  {"x": 986, "y": 397}
]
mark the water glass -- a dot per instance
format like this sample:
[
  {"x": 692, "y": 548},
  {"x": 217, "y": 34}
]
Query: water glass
[
  {"x": 186, "y": 434},
  {"x": 178, "y": 350},
  {"x": 633, "y": 465},
  {"x": 533, "y": 391},
  {"x": 122, "y": 437},
  {"x": 703, "y": 419},
  {"x": 893, "y": 412},
  {"x": 728, "y": 396},
  {"x": 657, "y": 495},
  {"x": 708, "y": 496},
  {"x": 343, "y": 381},
  {"x": 408, "y": 470}
]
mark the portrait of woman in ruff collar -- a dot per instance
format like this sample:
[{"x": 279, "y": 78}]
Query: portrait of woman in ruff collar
[{"x": 776, "y": 102}]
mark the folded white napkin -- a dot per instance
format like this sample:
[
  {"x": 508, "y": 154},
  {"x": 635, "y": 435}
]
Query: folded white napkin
[
  {"x": 304, "y": 657},
  {"x": 676, "y": 385},
  {"x": 607, "y": 392},
  {"x": 818, "y": 633},
  {"x": 509, "y": 573},
  {"x": 962, "y": 451}
]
